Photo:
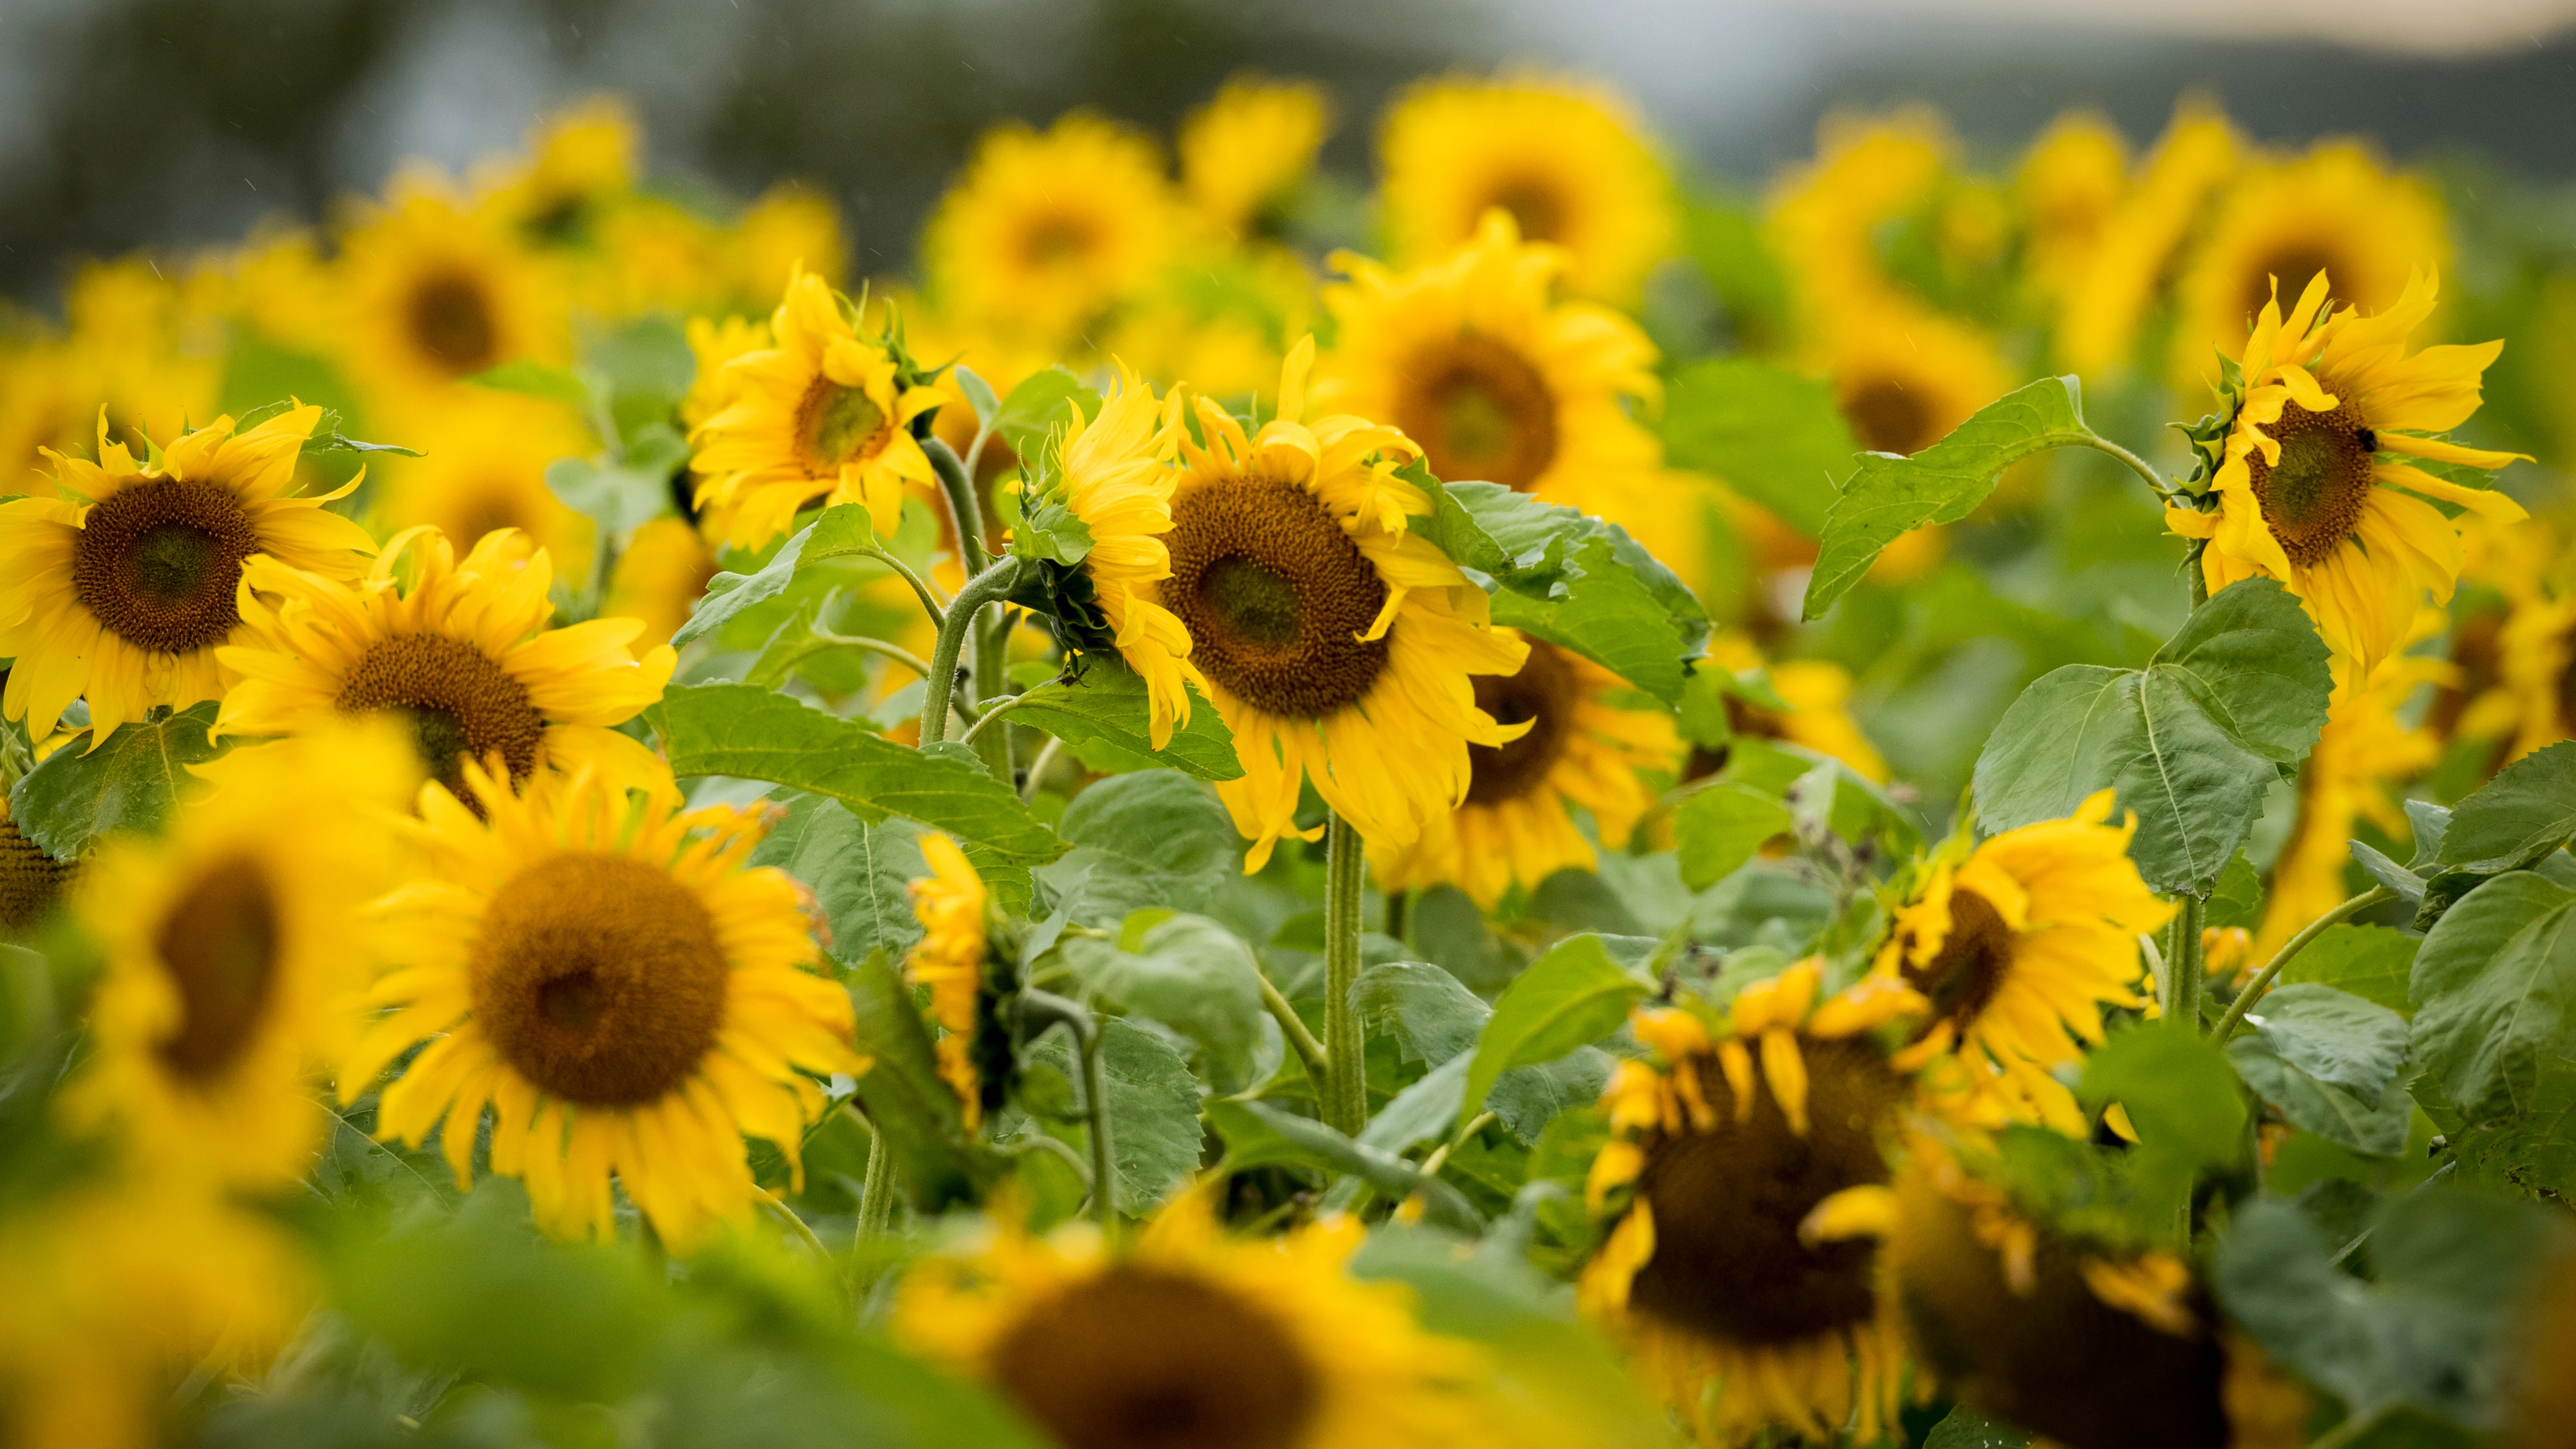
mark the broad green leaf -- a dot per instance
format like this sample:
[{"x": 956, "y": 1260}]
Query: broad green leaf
[
  {"x": 2371, "y": 962},
  {"x": 2190, "y": 743},
  {"x": 624, "y": 492},
  {"x": 1424, "y": 1111},
  {"x": 1719, "y": 828},
  {"x": 1891, "y": 495},
  {"x": 915, "y": 1113},
  {"x": 2406, "y": 883},
  {"x": 838, "y": 533},
  {"x": 2237, "y": 900},
  {"x": 860, "y": 874},
  {"x": 1258, "y": 1134},
  {"x": 1435, "y": 1019},
  {"x": 1037, "y": 407},
  {"x": 1154, "y": 1133},
  {"x": 1571, "y": 997},
  {"x": 536, "y": 379},
  {"x": 1106, "y": 703},
  {"x": 2181, "y": 1094},
  {"x": 1965, "y": 1429},
  {"x": 2333, "y": 1036},
  {"x": 2524, "y": 813},
  {"x": 2534, "y": 1150},
  {"x": 1152, "y": 838},
  {"x": 2495, "y": 993},
  {"x": 1190, "y": 974},
  {"x": 1775, "y": 436},
  {"x": 2373, "y": 1125},
  {"x": 128, "y": 783}
]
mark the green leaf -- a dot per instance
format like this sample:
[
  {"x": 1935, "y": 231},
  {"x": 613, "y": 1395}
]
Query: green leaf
[
  {"x": 2190, "y": 743},
  {"x": 2534, "y": 1150},
  {"x": 1964, "y": 1429},
  {"x": 1152, "y": 838},
  {"x": 1192, "y": 975},
  {"x": 914, "y": 1111},
  {"x": 1571, "y": 997},
  {"x": 1037, "y": 407},
  {"x": 1260, "y": 1135},
  {"x": 1154, "y": 1134},
  {"x": 2333, "y": 1036},
  {"x": 860, "y": 874},
  {"x": 2524, "y": 813},
  {"x": 2237, "y": 900},
  {"x": 1718, "y": 828},
  {"x": 1430, "y": 1013},
  {"x": 2181, "y": 1094},
  {"x": 258, "y": 374},
  {"x": 979, "y": 393},
  {"x": 1891, "y": 495},
  {"x": 536, "y": 379},
  {"x": 2373, "y": 1125},
  {"x": 623, "y": 493},
  {"x": 2371, "y": 962},
  {"x": 2406, "y": 883},
  {"x": 127, "y": 783},
  {"x": 1424, "y": 1111},
  {"x": 2495, "y": 993},
  {"x": 1107, "y": 704},
  {"x": 1773, "y": 435},
  {"x": 837, "y": 533}
]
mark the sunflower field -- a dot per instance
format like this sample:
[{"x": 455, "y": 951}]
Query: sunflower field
[{"x": 1520, "y": 801}]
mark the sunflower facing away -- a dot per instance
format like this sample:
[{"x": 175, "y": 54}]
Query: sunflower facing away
[
  {"x": 1566, "y": 161},
  {"x": 1187, "y": 1336},
  {"x": 2070, "y": 184},
  {"x": 437, "y": 292},
  {"x": 949, "y": 960},
  {"x": 1045, "y": 232},
  {"x": 463, "y": 656},
  {"x": 578, "y": 160},
  {"x": 122, "y": 593},
  {"x": 1582, "y": 749},
  {"x": 628, "y": 999},
  {"x": 2020, "y": 945},
  {"x": 1731, "y": 1277},
  {"x": 2306, "y": 490},
  {"x": 1825, "y": 218},
  {"x": 1339, "y": 645},
  {"x": 1244, "y": 153}
]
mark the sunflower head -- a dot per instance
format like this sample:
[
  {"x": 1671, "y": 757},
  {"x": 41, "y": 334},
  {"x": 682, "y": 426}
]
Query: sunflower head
[
  {"x": 2070, "y": 184},
  {"x": 1244, "y": 153},
  {"x": 949, "y": 962},
  {"x": 439, "y": 291},
  {"x": 579, "y": 159},
  {"x": 1044, "y": 232},
  {"x": 1904, "y": 375}
]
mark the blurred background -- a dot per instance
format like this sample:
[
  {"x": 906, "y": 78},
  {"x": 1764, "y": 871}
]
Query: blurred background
[{"x": 125, "y": 123}]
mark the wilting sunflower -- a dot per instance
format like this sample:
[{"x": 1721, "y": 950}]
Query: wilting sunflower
[
  {"x": 1731, "y": 1278},
  {"x": 2305, "y": 491},
  {"x": 2357, "y": 771},
  {"x": 1582, "y": 749},
  {"x": 487, "y": 471},
  {"x": 436, "y": 292},
  {"x": 463, "y": 656},
  {"x": 1567, "y": 162},
  {"x": 2019, "y": 945},
  {"x": 1045, "y": 232},
  {"x": 1339, "y": 645},
  {"x": 579, "y": 159},
  {"x": 626, "y": 997},
  {"x": 232, "y": 959},
  {"x": 2336, "y": 213},
  {"x": 31, "y": 882},
  {"x": 2070, "y": 185},
  {"x": 949, "y": 961},
  {"x": 1818, "y": 693},
  {"x": 1188, "y": 1336},
  {"x": 123, "y": 593},
  {"x": 1244, "y": 153},
  {"x": 824, "y": 416},
  {"x": 660, "y": 577}
]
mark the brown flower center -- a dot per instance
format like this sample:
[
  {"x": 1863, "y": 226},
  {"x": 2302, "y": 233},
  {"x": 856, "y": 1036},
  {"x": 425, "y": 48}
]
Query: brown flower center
[
  {"x": 157, "y": 561},
  {"x": 31, "y": 882},
  {"x": 220, "y": 945},
  {"x": 1544, "y": 692},
  {"x": 1054, "y": 240},
  {"x": 2295, "y": 266},
  {"x": 1274, "y": 595},
  {"x": 452, "y": 321},
  {"x": 1974, "y": 960},
  {"x": 461, "y": 704},
  {"x": 1535, "y": 205},
  {"x": 1480, "y": 412},
  {"x": 836, "y": 425},
  {"x": 1888, "y": 416},
  {"x": 1145, "y": 1358},
  {"x": 1727, "y": 1203},
  {"x": 2312, "y": 499},
  {"x": 1751, "y": 720},
  {"x": 599, "y": 978}
]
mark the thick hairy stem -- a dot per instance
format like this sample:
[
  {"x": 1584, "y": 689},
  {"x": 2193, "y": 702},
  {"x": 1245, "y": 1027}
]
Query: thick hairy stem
[
  {"x": 992, "y": 660},
  {"x": 992, "y": 584},
  {"x": 2185, "y": 964},
  {"x": 1345, "y": 1097},
  {"x": 1040, "y": 1010},
  {"x": 965, "y": 510},
  {"x": 2263, "y": 979}
]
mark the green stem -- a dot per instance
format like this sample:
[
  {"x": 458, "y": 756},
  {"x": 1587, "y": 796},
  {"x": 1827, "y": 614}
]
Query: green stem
[
  {"x": 1039, "y": 1010},
  {"x": 921, "y": 587},
  {"x": 1431, "y": 1165},
  {"x": 2136, "y": 464},
  {"x": 1300, "y": 1040},
  {"x": 965, "y": 510},
  {"x": 790, "y": 1216},
  {"x": 876, "y": 1191},
  {"x": 1345, "y": 1095},
  {"x": 2262, "y": 982},
  {"x": 1000, "y": 708},
  {"x": 2199, "y": 579},
  {"x": 2353, "y": 1427},
  {"x": 825, "y": 639},
  {"x": 986, "y": 587},
  {"x": 992, "y": 680},
  {"x": 1038, "y": 768},
  {"x": 2184, "y": 964}
]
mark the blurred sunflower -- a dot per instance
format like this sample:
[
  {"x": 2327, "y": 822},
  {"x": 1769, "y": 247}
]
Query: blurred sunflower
[
  {"x": 436, "y": 293},
  {"x": 2104, "y": 308},
  {"x": 948, "y": 960},
  {"x": 2301, "y": 493},
  {"x": 824, "y": 416},
  {"x": 1825, "y": 218},
  {"x": 578, "y": 161},
  {"x": 1567, "y": 161},
  {"x": 31, "y": 882},
  {"x": 791, "y": 229},
  {"x": 660, "y": 578},
  {"x": 123, "y": 596},
  {"x": 2355, "y": 772},
  {"x": 463, "y": 656},
  {"x": 623, "y": 994},
  {"x": 1245, "y": 153},
  {"x": 2018, "y": 945},
  {"x": 2070, "y": 185},
  {"x": 1338, "y": 644},
  {"x": 1187, "y": 1336},
  {"x": 1045, "y": 232},
  {"x": 487, "y": 471},
  {"x": 1737, "y": 1276},
  {"x": 1818, "y": 693},
  {"x": 1583, "y": 749},
  {"x": 1904, "y": 376},
  {"x": 133, "y": 349}
]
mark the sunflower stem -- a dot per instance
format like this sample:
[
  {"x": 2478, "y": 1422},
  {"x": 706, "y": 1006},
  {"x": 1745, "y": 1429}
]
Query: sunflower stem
[
  {"x": 1039, "y": 1010},
  {"x": 986, "y": 587},
  {"x": 1345, "y": 1084},
  {"x": 965, "y": 510},
  {"x": 921, "y": 587},
  {"x": 1038, "y": 768},
  {"x": 2263, "y": 979},
  {"x": 2186, "y": 964},
  {"x": 1310, "y": 1052},
  {"x": 2136, "y": 464},
  {"x": 992, "y": 659},
  {"x": 876, "y": 1190}
]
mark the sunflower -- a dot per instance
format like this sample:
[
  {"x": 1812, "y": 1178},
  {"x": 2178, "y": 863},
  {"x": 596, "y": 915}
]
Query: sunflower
[
  {"x": 624, "y": 995},
  {"x": 2333, "y": 213},
  {"x": 2070, "y": 185},
  {"x": 948, "y": 961},
  {"x": 1825, "y": 218},
  {"x": 1567, "y": 161},
  {"x": 824, "y": 416},
  {"x": 1244, "y": 154},
  {"x": 31, "y": 881},
  {"x": 1819, "y": 717},
  {"x": 2109, "y": 299},
  {"x": 790, "y": 229},
  {"x": 1731, "y": 1276},
  {"x": 2355, "y": 772},
  {"x": 1583, "y": 748},
  {"x": 230, "y": 974},
  {"x": 2019, "y": 945},
  {"x": 1114, "y": 473},
  {"x": 124, "y": 595},
  {"x": 1187, "y": 1336},
  {"x": 463, "y": 656},
  {"x": 660, "y": 577},
  {"x": 486, "y": 471},
  {"x": 1904, "y": 375},
  {"x": 579, "y": 160},
  {"x": 134, "y": 350},
  {"x": 1338, "y": 644},
  {"x": 436, "y": 293},
  {"x": 1045, "y": 232},
  {"x": 2305, "y": 491}
]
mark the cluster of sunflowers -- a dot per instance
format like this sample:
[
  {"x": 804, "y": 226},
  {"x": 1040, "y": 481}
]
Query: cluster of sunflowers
[{"x": 1172, "y": 834}]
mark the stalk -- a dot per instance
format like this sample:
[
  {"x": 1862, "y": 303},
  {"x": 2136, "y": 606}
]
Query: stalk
[
  {"x": 2186, "y": 965},
  {"x": 987, "y": 587},
  {"x": 2262, "y": 982},
  {"x": 1345, "y": 1084},
  {"x": 876, "y": 1190},
  {"x": 1039, "y": 1010}
]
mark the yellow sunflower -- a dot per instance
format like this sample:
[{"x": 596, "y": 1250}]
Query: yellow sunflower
[
  {"x": 624, "y": 995},
  {"x": 485, "y": 470},
  {"x": 2019, "y": 946},
  {"x": 1566, "y": 160},
  {"x": 660, "y": 578},
  {"x": 2335, "y": 212},
  {"x": 134, "y": 350},
  {"x": 1244, "y": 154},
  {"x": 2356, "y": 772},
  {"x": 790, "y": 229},
  {"x": 949, "y": 961},
  {"x": 1339, "y": 645},
  {"x": 1818, "y": 693},
  {"x": 2070, "y": 185},
  {"x": 1824, "y": 218},
  {"x": 462, "y": 656},
  {"x": 123, "y": 593},
  {"x": 1185, "y": 1335},
  {"x": 2107, "y": 302},
  {"x": 824, "y": 416},
  {"x": 31, "y": 882},
  {"x": 2305, "y": 492},
  {"x": 1043, "y": 233},
  {"x": 1905, "y": 375},
  {"x": 232, "y": 965},
  {"x": 436, "y": 293},
  {"x": 1735, "y": 1277},
  {"x": 578, "y": 159},
  {"x": 1582, "y": 749}
]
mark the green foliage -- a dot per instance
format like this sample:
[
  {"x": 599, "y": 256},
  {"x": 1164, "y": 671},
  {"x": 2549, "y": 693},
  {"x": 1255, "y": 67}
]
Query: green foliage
[
  {"x": 915, "y": 1113},
  {"x": 2329, "y": 1061},
  {"x": 1037, "y": 407},
  {"x": 1435, "y": 1019},
  {"x": 1152, "y": 839},
  {"x": 2495, "y": 994},
  {"x": 2527, "y": 811},
  {"x": 1104, "y": 703},
  {"x": 1717, "y": 829},
  {"x": 1257, "y": 1134},
  {"x": 127, "y": 783},
  {"x": 1773, "y": 435},
  {"x": 1153, "y": 1105},
  {"x": 1571, "y": 997},
  {"x": 838, "y": 532},
  {"x": 626, "y": 489},
  {"x": 2181, "y": 1095},
  {"x": 1192, "y": 975},
  {"x": 860, "y": 873}
]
